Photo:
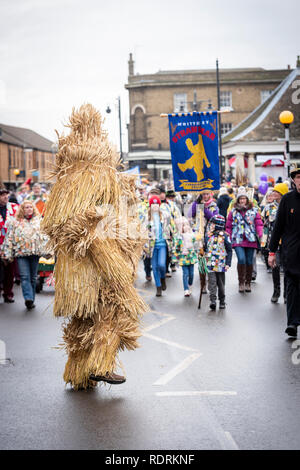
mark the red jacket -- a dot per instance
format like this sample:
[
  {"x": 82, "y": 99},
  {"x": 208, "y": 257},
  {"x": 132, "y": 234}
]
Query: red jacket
[{"x": 11, "y": 212}]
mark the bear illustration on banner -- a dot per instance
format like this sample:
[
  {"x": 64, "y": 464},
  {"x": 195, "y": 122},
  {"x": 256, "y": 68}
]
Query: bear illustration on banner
[{"x": 194, "y": 151}]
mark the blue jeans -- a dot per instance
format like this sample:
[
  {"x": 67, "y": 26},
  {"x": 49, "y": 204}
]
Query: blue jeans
[
  {"x": 28, "y": 266},
  {"x": 187, "y": 275},
  {"x": 244, "y": 255},
  {"x": 158, "y": 260}
]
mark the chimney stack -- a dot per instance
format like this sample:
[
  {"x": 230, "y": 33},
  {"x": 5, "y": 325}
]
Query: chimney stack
[{"x": 130, "y": 65}]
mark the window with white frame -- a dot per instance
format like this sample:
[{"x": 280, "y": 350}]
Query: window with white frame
[
  {"x": 226, "y": 127},
  {"x": 225, "y": 99},
  {"x": 264, "y": 95},
  {"x": 180, "y": 103}
]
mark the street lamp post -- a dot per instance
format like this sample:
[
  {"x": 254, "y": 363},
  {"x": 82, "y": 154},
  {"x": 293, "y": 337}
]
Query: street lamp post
[
  {"x": 286, "y": 118},
  {"x": 108, "y": 110}
]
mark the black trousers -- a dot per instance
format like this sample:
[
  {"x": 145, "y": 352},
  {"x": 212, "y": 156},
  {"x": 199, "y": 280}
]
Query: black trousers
[
  {"x": 147, "y": 266},
  {"x": 293, "y": 300}
]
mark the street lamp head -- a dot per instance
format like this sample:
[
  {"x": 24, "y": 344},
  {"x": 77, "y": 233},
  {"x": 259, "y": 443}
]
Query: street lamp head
[{"x": 286, "y": 117}]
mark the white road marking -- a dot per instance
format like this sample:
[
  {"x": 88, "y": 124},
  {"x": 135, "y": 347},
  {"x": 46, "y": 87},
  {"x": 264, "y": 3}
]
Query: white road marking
[
  {"x": 169, "y": 343},
  {"x": 207, "y": 416},
  {"x": 196, "y": 393},
  {"x": 159, "y": 323},
  {"x": 177, "y": 369},
  {"x": 231, "y": 442}
]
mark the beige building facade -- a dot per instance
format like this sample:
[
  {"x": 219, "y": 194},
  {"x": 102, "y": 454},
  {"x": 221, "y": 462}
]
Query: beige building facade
[{"x": 242, "y": 90}]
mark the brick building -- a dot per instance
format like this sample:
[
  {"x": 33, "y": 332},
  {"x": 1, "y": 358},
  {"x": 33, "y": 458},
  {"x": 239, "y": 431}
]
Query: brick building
[
  {"x": 260, "y": 138},
  {"x": 242, "y": 90},
  {"x": 24, "y": 151}
]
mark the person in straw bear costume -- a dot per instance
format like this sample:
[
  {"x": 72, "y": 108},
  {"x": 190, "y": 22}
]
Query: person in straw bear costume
[{"x": 96, "y": 259}]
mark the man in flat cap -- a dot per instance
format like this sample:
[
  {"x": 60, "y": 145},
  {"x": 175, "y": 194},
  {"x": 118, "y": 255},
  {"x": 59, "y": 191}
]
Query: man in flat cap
[{"x": 287, "y": 229}]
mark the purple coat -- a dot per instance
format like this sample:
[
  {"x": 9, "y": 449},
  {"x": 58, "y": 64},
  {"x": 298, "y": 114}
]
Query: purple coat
[{"x": 208, "y": 212}]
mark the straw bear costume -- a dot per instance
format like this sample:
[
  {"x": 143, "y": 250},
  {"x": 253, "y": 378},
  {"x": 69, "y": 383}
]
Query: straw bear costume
[{"x": 96, "y": 260}]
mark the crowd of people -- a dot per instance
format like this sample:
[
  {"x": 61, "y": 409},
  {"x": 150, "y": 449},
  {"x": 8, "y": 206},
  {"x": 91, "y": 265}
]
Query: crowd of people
[
  {"x": 182, "y": 229},
  {"x": 235, "y": 218}
]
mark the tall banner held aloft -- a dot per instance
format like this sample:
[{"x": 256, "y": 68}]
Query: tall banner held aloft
[{"x": 194, "y": 151}]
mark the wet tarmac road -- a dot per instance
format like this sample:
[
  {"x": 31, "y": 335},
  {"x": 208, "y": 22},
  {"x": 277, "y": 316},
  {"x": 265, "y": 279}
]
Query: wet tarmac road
[{"x": 201, "y": 379}]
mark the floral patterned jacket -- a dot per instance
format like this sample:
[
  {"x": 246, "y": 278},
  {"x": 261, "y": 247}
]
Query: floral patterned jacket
[
  {"x": 10, "y": 214},
  {"x": 218, "y": 251},
  {"x": 268, "y": 216},
  {"x": 24, "y": 238},
  {"x": 185, "y": 259},
  {"x": 168, "y": 228}
]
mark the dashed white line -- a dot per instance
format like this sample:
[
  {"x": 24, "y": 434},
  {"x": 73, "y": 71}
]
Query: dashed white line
[
  {"x": 195, "y": 393},
  {"x": 177, "y": 369},
  {"x": 159, "y": 323},
  {"x": 170, "y": 343}
]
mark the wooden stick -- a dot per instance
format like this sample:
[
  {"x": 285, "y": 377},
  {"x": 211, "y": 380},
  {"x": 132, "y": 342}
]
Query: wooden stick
[{"x": 191, "y": 114}]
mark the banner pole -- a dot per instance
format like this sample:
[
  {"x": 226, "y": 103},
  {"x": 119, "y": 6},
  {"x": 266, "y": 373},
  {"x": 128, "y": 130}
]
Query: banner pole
[{"x": 190, "y": 114}]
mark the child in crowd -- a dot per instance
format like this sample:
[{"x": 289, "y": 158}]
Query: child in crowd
[
  {"x": 186, "y": 253},
  {"x": 218, "y": 253}
]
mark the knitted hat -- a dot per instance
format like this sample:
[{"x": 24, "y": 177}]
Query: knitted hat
[
  {"x": 241, "y": 193},
  {"x": 222, "y": 191},
  {"x": 154, "y": 200},
  {"x": 219, "y": 221},
  {"x": 281, "y": 188}
]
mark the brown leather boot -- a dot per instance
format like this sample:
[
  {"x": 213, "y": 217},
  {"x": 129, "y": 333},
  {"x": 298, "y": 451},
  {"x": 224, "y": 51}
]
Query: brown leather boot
[
  {"x": 242, "y": 276},
  {"x": 158, "y": 292},
  {"x": 249, "y": 269},
  {"x": 110, "y": 378}
]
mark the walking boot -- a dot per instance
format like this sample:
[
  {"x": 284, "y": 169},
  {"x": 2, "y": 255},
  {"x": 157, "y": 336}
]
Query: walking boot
[
  {"x": 291, "y": 330},
  {"x": 163, "y": 283},
  {"x": 276, "y": 295},
  {"x": 158, "y": 292},
  {"x": 241, "y": 275},
  {"x": 249, "y": 269},
  {"x": 110, "y": 378}
]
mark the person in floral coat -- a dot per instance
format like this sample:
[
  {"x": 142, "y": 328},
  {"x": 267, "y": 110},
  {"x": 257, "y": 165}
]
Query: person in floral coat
[
  {"x": 218, "y": 254},
  {"x": 186, "y": 253},
  {"x": 7, "y": 213},
  {"x": 160, "y": 234},
  {"x": 245, "y": 227},
  {"x": 25, "y": 242}
]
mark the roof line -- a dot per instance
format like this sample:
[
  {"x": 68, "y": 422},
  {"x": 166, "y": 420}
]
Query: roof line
[{"x": 277, "y": 94}]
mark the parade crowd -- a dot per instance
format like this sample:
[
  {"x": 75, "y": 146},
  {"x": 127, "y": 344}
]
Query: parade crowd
[{"x": 183, "y": 231}]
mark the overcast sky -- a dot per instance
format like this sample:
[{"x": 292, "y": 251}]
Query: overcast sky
[{"x": 56, "y": 54}]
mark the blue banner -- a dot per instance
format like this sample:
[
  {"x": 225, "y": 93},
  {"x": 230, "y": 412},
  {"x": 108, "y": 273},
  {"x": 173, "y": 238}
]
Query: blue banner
[{"x": 194, "y": 151}]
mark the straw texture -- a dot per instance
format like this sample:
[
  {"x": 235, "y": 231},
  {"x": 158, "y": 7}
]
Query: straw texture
[{"x": 96, "y": 259}]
